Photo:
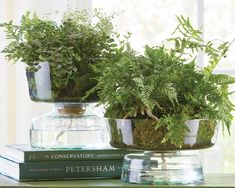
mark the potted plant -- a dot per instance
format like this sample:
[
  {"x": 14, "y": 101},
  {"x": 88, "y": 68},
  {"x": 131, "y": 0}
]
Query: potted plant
[
  {"x": 60, "y": 53},
  {"x": 59, "y": 59},
  {"x": 162, "y": 101}
]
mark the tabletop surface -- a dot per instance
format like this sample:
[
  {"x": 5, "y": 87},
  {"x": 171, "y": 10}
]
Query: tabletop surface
[{"x": 211, "y": 180}]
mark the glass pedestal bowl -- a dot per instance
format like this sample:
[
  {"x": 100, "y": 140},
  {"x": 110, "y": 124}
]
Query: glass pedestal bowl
[
  {"x": 161, "y": 163},
  {"x": 70, "y": 125}
]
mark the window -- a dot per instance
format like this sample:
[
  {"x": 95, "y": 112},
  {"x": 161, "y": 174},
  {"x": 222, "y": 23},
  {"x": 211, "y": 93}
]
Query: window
[
  {"x": 219, "y": 23},
  {"x": 150, "y": 22}
]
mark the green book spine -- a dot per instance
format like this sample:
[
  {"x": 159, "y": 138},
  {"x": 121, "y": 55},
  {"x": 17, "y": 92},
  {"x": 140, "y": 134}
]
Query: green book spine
[
  {"x": 61, "y": 170},
  {"x": 24, "y": 153},
  {"x": 61, "y": 155}
]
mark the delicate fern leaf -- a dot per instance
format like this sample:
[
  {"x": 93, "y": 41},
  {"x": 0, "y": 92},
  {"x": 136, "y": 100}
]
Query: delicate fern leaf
[
  {"x": 170, "y": 92},
  {"x": 222, "y": 79}
]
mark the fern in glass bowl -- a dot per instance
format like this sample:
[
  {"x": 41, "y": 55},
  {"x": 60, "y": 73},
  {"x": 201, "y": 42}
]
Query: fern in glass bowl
[
  {"x": 59, "y": 59},
  {"x": 162, "y": 101}
]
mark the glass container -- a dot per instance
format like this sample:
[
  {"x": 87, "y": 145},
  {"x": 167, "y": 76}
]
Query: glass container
[
  {"x": 45, "y": 86},
  {"x": 70, "y": 125},
  {"x": 162, "y": 168},
  {"x": 161, "y": 163}
]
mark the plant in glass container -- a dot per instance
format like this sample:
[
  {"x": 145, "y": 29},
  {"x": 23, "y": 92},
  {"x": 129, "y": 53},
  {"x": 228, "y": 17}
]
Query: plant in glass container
[
  {"x": 59, "y": 59},
  {"x": 162, "y": 102}
]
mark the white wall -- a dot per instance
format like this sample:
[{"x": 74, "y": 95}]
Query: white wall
[{"x": 3, "y": 80}]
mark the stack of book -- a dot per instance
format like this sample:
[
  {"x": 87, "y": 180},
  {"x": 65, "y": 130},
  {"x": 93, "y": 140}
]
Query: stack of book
[{"x": 23, "y": 163}]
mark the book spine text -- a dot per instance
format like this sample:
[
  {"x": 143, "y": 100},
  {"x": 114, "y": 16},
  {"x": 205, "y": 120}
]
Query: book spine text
[{"x": 70, "y": 170}]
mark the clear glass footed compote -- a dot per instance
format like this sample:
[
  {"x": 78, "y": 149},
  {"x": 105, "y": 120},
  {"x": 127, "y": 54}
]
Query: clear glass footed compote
[
  {"x": 70, "y": 125},
  {"x": 73, "y": 123},
  {"x": 157, "y": 162}
]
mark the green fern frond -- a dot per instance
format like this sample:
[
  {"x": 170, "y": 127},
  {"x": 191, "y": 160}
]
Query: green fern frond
[
  {"x": 222, "y": 79},
  {"x": 170, "y": 92}
]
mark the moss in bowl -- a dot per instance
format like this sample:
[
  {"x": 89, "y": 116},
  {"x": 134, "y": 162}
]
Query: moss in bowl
[{"x": 143, "y": 135}]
